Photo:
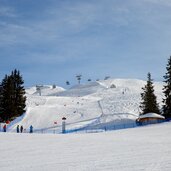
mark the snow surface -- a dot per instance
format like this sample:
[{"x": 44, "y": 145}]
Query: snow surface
[
  {"x": 92, "y": 105},
  {"x": 137, "y": 149}
]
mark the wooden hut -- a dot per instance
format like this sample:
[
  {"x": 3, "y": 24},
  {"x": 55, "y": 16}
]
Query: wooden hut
[{"x": 150, "y": 118}]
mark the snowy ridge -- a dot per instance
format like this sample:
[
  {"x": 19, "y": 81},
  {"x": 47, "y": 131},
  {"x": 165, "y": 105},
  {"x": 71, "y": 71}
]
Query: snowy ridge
[{"x": 106, "y": 102}]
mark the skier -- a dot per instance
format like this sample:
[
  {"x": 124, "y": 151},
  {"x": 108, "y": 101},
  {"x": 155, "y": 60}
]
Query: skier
[
  {"x": 5, "y": 128},
  {"x": 18, "y": 129},
  {"x": 31, "y": 129},
  {"x": 21, "y": 129}
]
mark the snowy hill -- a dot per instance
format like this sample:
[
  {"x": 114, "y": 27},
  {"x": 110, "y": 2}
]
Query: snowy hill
[{"x": 106, "y": 102}]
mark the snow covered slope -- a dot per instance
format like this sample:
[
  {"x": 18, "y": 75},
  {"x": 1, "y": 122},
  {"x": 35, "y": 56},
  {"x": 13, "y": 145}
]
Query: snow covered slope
[{"x": 106, "y": 101}]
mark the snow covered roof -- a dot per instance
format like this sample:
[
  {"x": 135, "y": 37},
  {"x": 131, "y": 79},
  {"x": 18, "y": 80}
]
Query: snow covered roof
[{"x": 151, "y": 115}]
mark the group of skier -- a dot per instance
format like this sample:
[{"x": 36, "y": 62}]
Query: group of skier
[{"x": 19, "y": 129}]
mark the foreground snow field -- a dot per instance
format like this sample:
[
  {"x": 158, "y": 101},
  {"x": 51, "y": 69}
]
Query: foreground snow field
[{"x": 143, "y": 148}]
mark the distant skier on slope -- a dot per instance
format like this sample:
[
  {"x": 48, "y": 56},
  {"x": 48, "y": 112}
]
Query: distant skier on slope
[
  {"x": 18, "y": 129},
  {"x": 21, "y": 129},
  {"x": 5, "y": 128},
  {"x": 31, "y": 129}
]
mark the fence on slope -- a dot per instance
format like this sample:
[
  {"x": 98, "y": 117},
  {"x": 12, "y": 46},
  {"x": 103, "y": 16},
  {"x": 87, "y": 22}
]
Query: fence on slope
[{"x": 89, "y": 128}]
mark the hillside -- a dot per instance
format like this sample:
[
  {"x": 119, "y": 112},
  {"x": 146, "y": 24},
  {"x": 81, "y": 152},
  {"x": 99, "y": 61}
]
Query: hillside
[{"x": 105, "y": 102}]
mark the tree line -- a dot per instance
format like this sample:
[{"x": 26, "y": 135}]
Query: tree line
[
  {"x": 12, "y": 96},
  {"x": 149, "y": 100}
]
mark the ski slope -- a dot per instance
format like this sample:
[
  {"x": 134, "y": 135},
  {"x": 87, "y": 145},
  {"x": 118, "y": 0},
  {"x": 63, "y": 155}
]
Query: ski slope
[
  {"x": 144, "y": 148},
  {"x": 105, "y": 102}
]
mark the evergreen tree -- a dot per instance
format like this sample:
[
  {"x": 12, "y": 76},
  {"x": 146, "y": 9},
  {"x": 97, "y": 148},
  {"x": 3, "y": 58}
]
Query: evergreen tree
[
  {"x": 6, "y": 98},
  {"x": 167, "y": 91},
  {"x": 149, "y": 100},
  {"x": 0, "y": 100},
  {"x": 12, "y": 97},
  {"x": 19, "y": 94}
]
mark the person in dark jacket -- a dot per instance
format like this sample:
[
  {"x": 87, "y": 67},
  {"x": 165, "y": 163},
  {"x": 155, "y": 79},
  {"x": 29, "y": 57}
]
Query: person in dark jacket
[
  {"x": 21, "y": 129},
  {"x": 18, "y": 129},
  {"x": 5, "y": 128},
  {"x": 31, "y": 129}
]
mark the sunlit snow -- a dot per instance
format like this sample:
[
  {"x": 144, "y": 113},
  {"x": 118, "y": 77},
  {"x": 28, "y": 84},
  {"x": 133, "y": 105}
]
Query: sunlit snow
[{"x": 145, "y": 148}]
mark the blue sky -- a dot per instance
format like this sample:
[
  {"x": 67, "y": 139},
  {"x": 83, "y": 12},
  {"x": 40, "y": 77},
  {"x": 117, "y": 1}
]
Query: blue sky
[{"x": 51, "y": 41}]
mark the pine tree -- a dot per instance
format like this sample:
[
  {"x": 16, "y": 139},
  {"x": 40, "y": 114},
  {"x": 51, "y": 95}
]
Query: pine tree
[
  {"x": 19, "y": 94},
  {"x": 0, "y": 100},
  {"x": 6, "y": 98},
  {"x": 12, "y": 97},
  {"x": 167, "y": 91},
  {"x": 149, "y": 101}
]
